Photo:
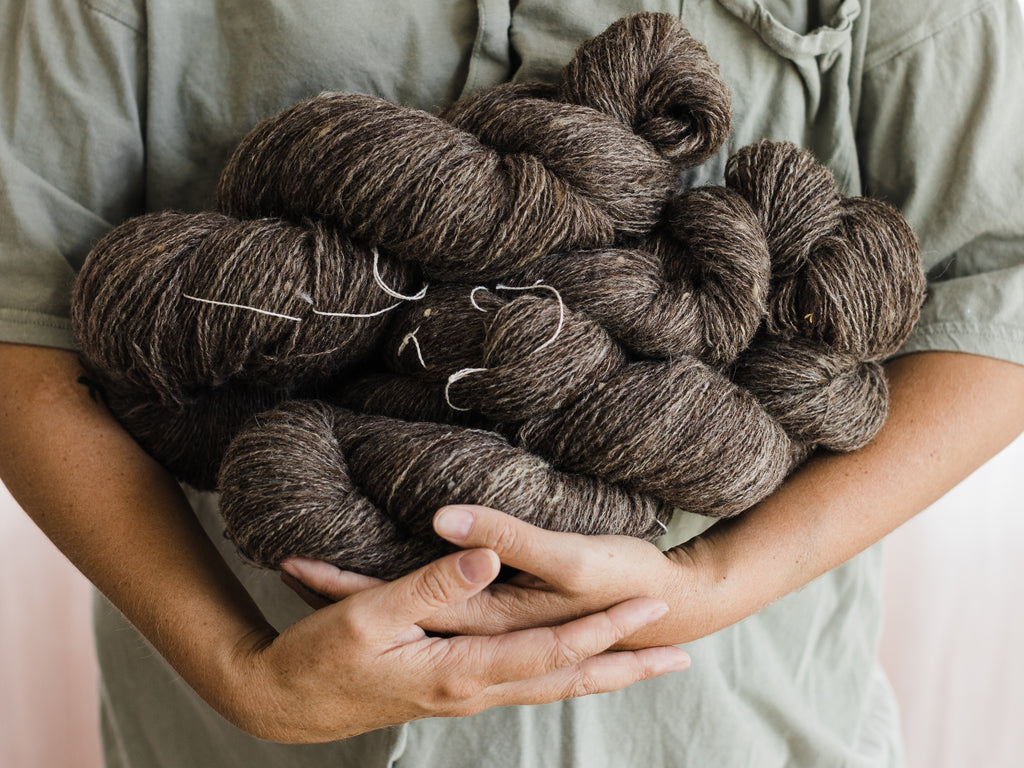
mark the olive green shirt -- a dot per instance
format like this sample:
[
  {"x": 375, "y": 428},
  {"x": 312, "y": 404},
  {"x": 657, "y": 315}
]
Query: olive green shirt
[{"x": 112, "y": 107}]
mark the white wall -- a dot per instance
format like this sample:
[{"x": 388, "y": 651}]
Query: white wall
[{"x": 954, "y": 639}]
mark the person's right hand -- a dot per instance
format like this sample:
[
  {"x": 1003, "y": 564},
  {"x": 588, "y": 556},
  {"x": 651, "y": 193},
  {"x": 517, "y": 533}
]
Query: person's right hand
[{"x": 363, "y": 663}]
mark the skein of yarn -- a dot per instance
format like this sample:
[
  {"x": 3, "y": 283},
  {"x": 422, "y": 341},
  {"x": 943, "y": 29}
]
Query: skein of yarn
[
  {"x": 318, "y": 451},
  {"x": 503, "y": 178},
  {"x": 846, "y": 293},
  {"x": 675, "y": 428},
  {"x": 194, "y": 323}
]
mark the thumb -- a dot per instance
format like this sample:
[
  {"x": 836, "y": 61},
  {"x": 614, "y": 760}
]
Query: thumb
[
  {"x": 431, "y": 589},
  {"x": 320, "y": 583}
]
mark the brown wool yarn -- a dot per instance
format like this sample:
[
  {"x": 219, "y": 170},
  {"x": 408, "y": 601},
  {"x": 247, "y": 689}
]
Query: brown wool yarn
[
  {"x": 663, "y": 84},
  {"x": 675, "y": 429},
  {"x": 535, "y": 357},
  {"x": 295, "y": 510},
  {"x": 831, "y": 401},
  {"x": 845, "y": 271},
  {"x": 163, "y": 358},
  {"x": 698, "y": 285},
  {"x": 562, "y": 388},
  {"x": 503, "y": 178},
  {"x": 183, "y": 374},
  {"x": 284, "y": 481},
  {"x": 846, "y": 292},
  {"x": 405, "y": 398},
  {"x": 593, "y": 348}
]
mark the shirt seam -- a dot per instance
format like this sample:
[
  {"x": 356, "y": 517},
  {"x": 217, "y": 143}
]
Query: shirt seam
[
  {"x": 31, "y": 318},
  {"x": 95, "y": 8},
  {"x": 994, "y": 331},
  {"x": 913, "y": 40}
]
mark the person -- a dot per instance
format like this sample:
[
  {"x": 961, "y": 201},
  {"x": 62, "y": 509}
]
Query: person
[{"x": 113, "y": 107}]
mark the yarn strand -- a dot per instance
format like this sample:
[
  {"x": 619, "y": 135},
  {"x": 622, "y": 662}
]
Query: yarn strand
[
  {"x": 378, "y": 313},
  {"x": 242, "y": 306},
  {"x": 391, "y": 291},
  {"x": 561, "y": 307},
  {"x": 459, "y": 374}
]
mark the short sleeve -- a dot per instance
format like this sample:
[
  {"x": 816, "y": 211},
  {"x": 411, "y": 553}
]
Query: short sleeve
[
  {"x": 939, "y": 130},
  {"x": 72, "y": 161}
]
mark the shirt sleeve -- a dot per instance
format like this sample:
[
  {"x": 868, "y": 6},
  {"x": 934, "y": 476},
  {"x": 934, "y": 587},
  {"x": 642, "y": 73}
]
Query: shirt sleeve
[
  {"x": 71, "y": 151},
  {"x": 939, "y": 128}
]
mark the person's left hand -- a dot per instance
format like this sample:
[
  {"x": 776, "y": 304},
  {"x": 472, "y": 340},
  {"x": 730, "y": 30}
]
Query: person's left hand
[{"x": 561, "y": 576}]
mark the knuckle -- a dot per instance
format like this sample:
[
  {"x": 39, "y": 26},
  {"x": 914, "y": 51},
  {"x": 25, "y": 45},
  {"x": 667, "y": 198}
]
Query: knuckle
[
  {"x": 582, "y": 683},
  {"x": 504, "y": 537},
  {"x": 578, "y": 567},
  {"x": 455, "y": 685},
  {"x": 433, "y": 588},
  {"x": 630, "y": 669},
  {"x": 356, "y": 622},
  {"x": 563, "y": 654},
  {"x": 456, "y": 692},
  {"x": 465, "y": 709}
]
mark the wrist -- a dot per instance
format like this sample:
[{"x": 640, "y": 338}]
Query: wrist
[
  {"x": 238, "y": 681},
  {"x": 701, "y": 575}
]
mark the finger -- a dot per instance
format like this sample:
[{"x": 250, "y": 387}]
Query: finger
[
  {"x": 503, "y": 608},
  {"x": 313, "y": 599},
  {"x": 394, "y": 606},
  {"x": 603, "y": 673},
  {"x": 326, "y": 580},
  {"x": 534, "y": 652},
  {"x": 527, "y": 581},
  {"x": 543, "y": 553}
]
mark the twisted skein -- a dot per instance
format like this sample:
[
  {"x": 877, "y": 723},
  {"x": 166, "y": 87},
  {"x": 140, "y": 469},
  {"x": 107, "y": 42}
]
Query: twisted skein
[
  {"x": 579, "y": 401},
  {"x": 503, "y": 178},
  {"x": 182, "y": 373},
  {"x": 316, "y": 451},
  {"x": 846, "y": 293},
  {"x": 698, "y": 285},
  {"x": 593, "y": 349}
]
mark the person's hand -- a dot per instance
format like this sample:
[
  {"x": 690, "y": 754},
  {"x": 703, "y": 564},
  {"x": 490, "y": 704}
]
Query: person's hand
[
  {"x": 561, "y": 576},
  {"x": 365, "y": 662},
  {"x": 827, "y": 511}
]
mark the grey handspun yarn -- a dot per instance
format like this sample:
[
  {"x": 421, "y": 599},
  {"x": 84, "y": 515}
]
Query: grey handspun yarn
[
  {"x": 505, "y": 177},
  {"x": 508, "y": 303},
  {"x": 181, "y": 373},
  {"x": 317, "y": 452}
]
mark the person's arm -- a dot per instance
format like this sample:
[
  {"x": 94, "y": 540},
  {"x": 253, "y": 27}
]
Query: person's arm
[
  {"x": 949, "y": 413},
  {"x": 361, "y": 664}
]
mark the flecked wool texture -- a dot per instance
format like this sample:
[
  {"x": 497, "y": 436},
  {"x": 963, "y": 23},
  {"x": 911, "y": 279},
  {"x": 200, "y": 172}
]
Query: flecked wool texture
[{"x": 508, "y": 303}]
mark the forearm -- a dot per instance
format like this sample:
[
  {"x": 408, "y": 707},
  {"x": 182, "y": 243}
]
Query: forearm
[
  {"x": 949, "y": 413},
  {"x": 119, "y": 517},
  {"x": 356, "y": 666}
]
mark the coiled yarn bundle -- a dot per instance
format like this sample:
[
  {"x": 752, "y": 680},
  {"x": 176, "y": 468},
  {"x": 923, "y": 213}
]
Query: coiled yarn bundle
[{"x": 509, "y": 304}]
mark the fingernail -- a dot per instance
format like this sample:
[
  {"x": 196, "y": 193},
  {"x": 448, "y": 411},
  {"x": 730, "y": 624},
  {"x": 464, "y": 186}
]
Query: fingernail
[
  {"x": 454, "y": 523},
  {"x": 656, "y": 611},
  {"x": 476, "y": 566},
  {"x": 677, "y": 663},
  {"x": 291, "y": 567}
]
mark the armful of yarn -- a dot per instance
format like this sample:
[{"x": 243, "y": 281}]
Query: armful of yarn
[
  {"x": 950, "y": 412},
  {"x": 359, "y": 665}
]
